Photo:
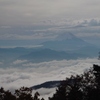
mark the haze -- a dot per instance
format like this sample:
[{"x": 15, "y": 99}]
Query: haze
[{"x": 39, "y": 21}]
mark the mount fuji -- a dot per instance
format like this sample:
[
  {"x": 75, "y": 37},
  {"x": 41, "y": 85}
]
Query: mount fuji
[
  {"x": 65, "y": 42},
  {"x": 65, "y": 36}
]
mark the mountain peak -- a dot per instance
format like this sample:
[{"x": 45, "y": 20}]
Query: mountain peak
[{"x": 65, "y": 36}]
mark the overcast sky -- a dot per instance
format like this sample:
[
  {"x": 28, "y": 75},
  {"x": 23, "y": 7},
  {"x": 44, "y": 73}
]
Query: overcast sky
[
  {"x": 36, "y": 19},
  {"x": 21, "y": 12}
]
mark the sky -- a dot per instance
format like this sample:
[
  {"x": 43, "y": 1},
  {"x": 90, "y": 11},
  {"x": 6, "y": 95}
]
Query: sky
[{"x": 44, "y": 19}]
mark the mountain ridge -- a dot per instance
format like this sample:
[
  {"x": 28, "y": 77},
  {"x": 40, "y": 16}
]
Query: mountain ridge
[
  {"x": 64, "y": 43},
  {"x": 49, "y": 55}
]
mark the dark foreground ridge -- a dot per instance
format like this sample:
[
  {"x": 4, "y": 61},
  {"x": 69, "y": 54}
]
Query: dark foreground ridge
[
  {"x": 52, "y": 84},
  {"x": 49, "y": 84}
]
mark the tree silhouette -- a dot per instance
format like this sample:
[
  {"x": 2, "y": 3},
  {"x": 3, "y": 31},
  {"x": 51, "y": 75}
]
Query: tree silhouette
[
  {"x": 36, "y": 96},
  {"x": 6, "y": 95},
  {"x": 80, "y": 87},
  {"x": 23, "y": 93}
]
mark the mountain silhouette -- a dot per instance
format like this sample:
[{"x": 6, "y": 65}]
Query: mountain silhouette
[
  {"x": 65, "y": 36},
  {"x": 48, "y": 84},
  {"x": 49, "y": 55},
  {"x": 65, "y": 42}
]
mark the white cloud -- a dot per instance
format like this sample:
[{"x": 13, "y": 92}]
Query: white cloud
[
  {"x": 19, "y": 62},
  {"x": 37, "y": 73},
  {"x": 45, "y": 93},
  {"x": 86, "y": 28},
  {"x": 41, "y": 72}
]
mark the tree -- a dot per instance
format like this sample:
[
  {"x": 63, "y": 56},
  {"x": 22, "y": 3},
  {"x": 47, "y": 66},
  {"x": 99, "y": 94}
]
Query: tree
[
  {"x": 96, "y": 70},
  {"x": 6, "y": 95},
  {"x": 24, "y": 93},
  {"x": 80, "y": 87}
]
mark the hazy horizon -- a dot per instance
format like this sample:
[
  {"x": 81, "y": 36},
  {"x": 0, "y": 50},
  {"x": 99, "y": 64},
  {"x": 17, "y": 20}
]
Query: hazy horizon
[{"x": 32, "y": 22}]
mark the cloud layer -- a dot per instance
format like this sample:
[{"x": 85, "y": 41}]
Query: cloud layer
[
  {"x": 24, "y": 73},
  {"x": 35, "y": 73}
]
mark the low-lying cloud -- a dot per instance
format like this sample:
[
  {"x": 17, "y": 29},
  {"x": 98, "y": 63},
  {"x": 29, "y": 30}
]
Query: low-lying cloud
[
  {"x": 30, "y": 74},
  {"x": 45, "y": 93},
  {"x": 19, "y": 61}
]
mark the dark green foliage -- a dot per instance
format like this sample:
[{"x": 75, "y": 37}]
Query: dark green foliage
[
  {"x": 36, "y": 96},
  {"x": 80, "y": 87},
  {"x": 23, "y": 93},
  {"x": 61, "y": 92},
  {"x": 96, "y": 69},
  {"x": 6, "y": 95}
]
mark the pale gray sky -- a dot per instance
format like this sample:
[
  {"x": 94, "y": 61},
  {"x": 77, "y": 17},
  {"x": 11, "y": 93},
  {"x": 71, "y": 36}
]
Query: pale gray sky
[
  {"x": 21, "y": 12},
  {"x": 21, "y": 19}
]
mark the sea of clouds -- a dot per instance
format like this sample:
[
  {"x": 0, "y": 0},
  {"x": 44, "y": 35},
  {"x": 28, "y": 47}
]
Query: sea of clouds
[{"x": 24, "y": 73}]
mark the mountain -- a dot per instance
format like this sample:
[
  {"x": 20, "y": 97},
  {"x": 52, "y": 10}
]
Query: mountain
[
  {"x": 49, "y": 55},
  {"x": 65, "y": 42},
  {"x": 90, "y": 51},
  {"x": 52, "y": 84},
  {"x": 13, "y": 53},
  {"x": 48, "y": 84},
  {"x": 35, "y": 55},
  {"x": 65, "y": 36}
]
